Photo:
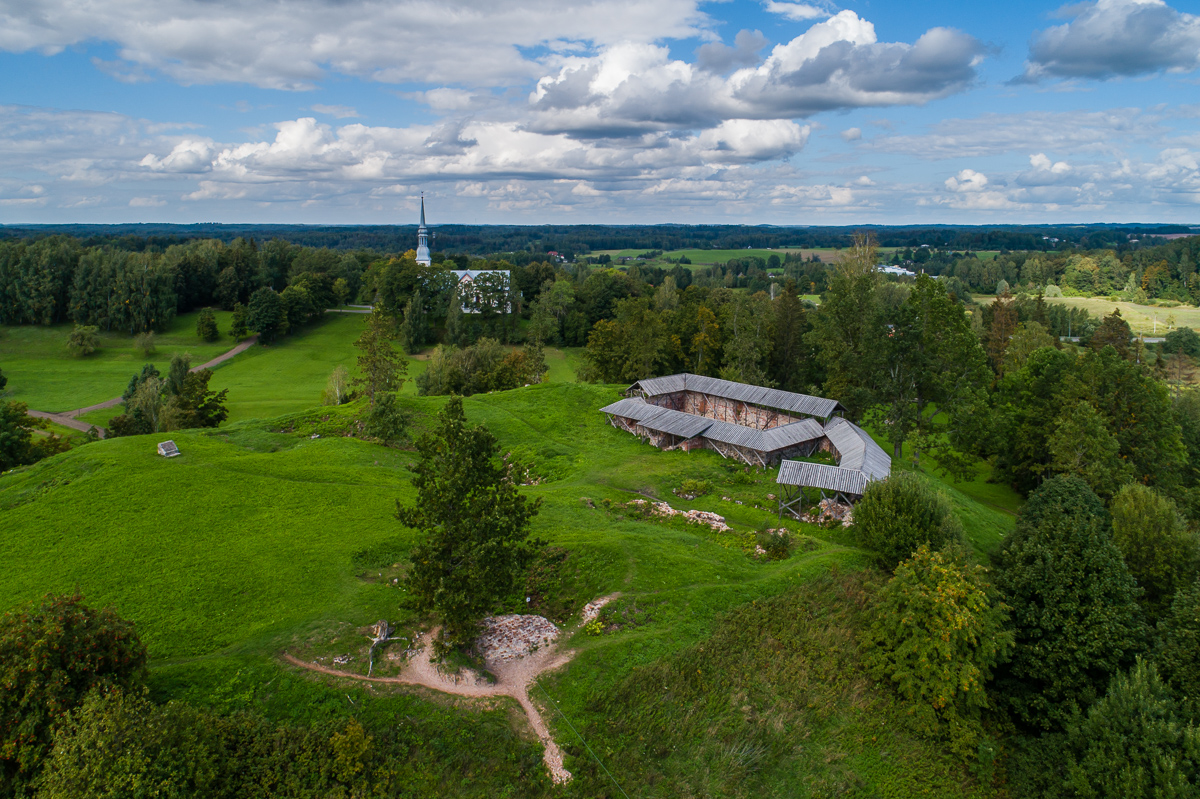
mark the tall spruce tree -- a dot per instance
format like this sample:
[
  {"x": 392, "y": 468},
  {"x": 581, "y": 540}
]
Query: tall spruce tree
[{"x": 474, "y": 525}]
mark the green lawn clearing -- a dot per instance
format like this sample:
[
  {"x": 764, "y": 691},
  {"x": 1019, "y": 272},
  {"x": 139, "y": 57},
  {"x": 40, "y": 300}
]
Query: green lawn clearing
[
  {"x": 44, "y": 375},
  {"x": 278, "y": 535}
]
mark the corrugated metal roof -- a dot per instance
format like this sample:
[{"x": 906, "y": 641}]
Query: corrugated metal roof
[
  {"x": 631, "y": 408},
  {"x": 819, "y": 475},
  {"x": 857, "y": 450},
  {"x": 789, "y": 435},
  {"x": 677, "y": 423},
  {"x": 727, "y": 389},
  {"x": 660, "y": 419}
]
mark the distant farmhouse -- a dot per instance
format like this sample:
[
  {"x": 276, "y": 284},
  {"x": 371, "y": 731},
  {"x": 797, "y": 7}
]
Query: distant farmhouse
[
  {"x": 477, "y": 288},
  {"x": 757, "y": 426}
]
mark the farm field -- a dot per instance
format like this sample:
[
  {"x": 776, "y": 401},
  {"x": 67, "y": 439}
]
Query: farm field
[
  {"x": 1148, "y": 320},
  {"x": 256, "y": 541},
  {"x": 710, "y": 257}
]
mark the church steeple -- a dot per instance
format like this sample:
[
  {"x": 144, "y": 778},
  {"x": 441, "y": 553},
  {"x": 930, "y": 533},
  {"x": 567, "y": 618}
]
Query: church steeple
[{"x": 423, "y": 238}]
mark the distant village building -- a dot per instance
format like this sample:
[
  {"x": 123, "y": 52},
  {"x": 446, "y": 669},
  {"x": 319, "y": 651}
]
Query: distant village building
[
  {"x": 477, "y": 288},
  {"x": 757, "y": 426},
  {"x": 483, "y": 288}
]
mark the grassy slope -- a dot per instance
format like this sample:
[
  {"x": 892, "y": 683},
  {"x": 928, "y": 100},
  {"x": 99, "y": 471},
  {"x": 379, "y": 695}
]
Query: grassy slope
[
  {"x": 41, "y": 373},
  {"x": 242, "y": 547}
]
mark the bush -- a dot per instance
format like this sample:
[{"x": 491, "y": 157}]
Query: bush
[
  {"x": 1074, "y": 605},
  {"x": 899, "y": 514},
  {"x": 1052, "y": 291},
  {"x": 206, "y": 325},
  {"x": 937, "y": 632},
  {"x": 52, "y": 653},
  {"x": 144, "y": 343},
  {"x": 337, "y": 387},
  {"x": 387, "y": 420},
  {"x": 776, "y": 543},
  {"x": 690, "y": 489},
  {"x": 83, "y": 341},
  {"x": 485, "y": 366}
]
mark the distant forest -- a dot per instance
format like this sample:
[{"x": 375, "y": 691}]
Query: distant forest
[{"x": 573, "y": 240}]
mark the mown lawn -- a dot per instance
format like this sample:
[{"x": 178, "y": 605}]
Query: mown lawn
[
  {"x": 729, "y": 675},
  {"x": 44, "y": 375}
]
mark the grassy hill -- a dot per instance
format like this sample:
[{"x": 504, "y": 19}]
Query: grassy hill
[{"x": 729, "y": 675}]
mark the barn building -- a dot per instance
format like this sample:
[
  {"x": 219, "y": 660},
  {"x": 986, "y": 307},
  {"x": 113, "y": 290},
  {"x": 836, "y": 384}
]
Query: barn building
[{"x": 757, "y": 426}]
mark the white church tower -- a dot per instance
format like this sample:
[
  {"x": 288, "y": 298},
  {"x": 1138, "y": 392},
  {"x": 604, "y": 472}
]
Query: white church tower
[{"x": 423, "y": 238}]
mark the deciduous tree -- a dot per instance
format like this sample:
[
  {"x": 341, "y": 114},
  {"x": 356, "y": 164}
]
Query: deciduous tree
[
  {"x": 52, "y": 653},
  {"x": 1161, "y": 552},
  {"x": 902, "y": 513},
  {"x": 937, "y": 632}
]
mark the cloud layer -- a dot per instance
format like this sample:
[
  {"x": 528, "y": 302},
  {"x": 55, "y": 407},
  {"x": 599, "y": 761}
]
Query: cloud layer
[{"x": 1111, "y": 38}]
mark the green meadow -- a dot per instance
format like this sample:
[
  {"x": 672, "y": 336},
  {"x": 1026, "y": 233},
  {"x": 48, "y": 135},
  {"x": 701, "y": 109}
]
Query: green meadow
[
  {"x": 44, "y": 375},
  {"x": 274, "y": 533}
]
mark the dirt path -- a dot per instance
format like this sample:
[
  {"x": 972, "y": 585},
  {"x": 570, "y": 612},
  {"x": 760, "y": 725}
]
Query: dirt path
[
  {"x": 512, "y": 679},
  {"x": 69, "y": 418}
]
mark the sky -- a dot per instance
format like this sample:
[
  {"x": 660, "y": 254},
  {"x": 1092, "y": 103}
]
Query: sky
[{"x": 599, "y": 111}]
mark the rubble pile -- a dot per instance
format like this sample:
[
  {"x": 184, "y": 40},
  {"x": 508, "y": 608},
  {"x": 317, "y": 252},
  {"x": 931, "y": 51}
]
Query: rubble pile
[
  {"x": 514, "y": 636},
  {"x": 707, "y": 518},
  {"x": 831, "y": 510}
]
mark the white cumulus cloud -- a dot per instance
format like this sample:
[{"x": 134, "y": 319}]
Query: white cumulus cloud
[{"x": 1110, "y": 38}]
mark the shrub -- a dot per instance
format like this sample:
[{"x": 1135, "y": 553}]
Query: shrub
[
  {"x": 899, "y": 514},
  {"x": 1052, "y": 291},
  {"x": 337, "y": 388},
  {"x": 690, "y": 489},
  {"x": 937, "y": 632},
  {"x": 776, "y": 543},
  {"x": 144, "y": 343},
  {"x": 1074, "y": 604},
  {"x": 83, "y": 341},
  {"x": 387, "y": 420},
  {"x": 206, "y": 325},
  {"x": 484, "y": 366},
  {"x": 52, "y": 653}
]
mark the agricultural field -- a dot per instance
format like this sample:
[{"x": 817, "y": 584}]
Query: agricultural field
[
  {"x": 277, "y": 535},
  {"x": 711, "y": 257},
  {"x": 1145, "y": 320}
]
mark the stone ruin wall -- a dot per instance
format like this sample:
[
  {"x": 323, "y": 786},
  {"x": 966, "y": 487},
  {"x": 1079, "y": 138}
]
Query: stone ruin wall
[{"x": 723, "y": 410}]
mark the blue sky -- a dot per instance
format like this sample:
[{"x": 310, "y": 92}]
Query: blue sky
[{"x": 620, "y": 111}]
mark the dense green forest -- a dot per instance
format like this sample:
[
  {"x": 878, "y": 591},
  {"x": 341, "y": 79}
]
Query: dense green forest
[{"x": 582, "y": 239}]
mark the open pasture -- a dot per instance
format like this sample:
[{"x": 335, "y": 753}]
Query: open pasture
[
  {"x": 255, "y": 541},
  {"x": 1144, "y": 320},
  {"x": 44, "y": 375}
]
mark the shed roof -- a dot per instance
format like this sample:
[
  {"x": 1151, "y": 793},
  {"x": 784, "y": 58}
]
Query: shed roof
[
  {"x": 857, "y": 450},
  {"x": 819, "y": 475},
  {"x": 727, "y": 389},
  {"x": 679, "y": 423}
]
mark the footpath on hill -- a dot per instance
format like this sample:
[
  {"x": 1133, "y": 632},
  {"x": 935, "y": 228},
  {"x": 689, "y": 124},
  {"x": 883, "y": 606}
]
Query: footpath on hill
[
  {"x": 517, "y": 650},
  {"x": 70, "y": 418}
]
